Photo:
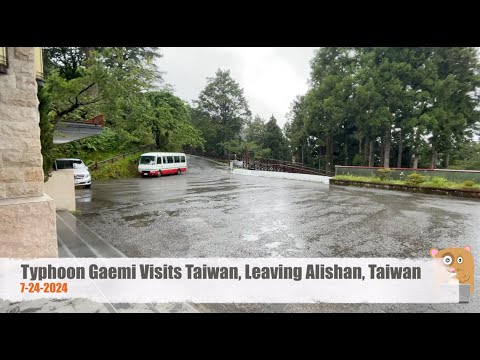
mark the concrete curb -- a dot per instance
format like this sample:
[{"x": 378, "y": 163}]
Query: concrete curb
[
  {"x": 283, "y": 175},
  {"x": 472, "y": 194}
]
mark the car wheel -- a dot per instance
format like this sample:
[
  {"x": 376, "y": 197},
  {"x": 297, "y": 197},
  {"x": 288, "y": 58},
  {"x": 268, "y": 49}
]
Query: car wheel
[{"x": 179, "y": 171}]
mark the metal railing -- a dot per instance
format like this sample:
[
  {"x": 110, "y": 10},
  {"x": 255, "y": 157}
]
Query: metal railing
[
  {"x": 96, "y": 164},
  {"x": 283, "y": 166}
]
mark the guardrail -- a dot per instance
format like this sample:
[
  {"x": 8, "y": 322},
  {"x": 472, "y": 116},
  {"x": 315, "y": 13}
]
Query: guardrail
[
  {"x": 96, "y": 164},
  {"x": 283, "y": 166}
]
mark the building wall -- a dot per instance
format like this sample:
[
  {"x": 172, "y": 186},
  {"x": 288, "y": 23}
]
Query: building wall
[
  {"x": 21, "y": 173},
  {"x": 27, "y": 215}
]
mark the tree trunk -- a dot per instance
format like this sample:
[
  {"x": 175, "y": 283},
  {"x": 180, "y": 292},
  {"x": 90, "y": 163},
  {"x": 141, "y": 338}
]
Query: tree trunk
[
  {"x": 366, "y": 145},
  {"x": 447, "y": 160},
  {"x": 415, "y": 162},
  {"x": 382, "y": 148},
  {"x": 387, "y": 146},
  {"x": 360, "y": 146},
  {"x": 328, "y": 152},
  {"x": 400, "y": 150},
  {"x": 370, "y": 153},
  {"x": 345, "y": 148},
  {"x": 319, "y": 159},
  {"x": 433, "y": 161}
]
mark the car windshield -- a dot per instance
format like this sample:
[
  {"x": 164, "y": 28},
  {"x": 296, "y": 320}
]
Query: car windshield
[
  {"x": 147, "y": 160},
  {"x": 70, "y": 164}
]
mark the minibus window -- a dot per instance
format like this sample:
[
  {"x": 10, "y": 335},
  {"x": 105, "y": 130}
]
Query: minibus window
[
  {"x": 159, "y": 160},
  {"x": 147, "y": 160},
  {"x": 183, "y": 159},
  {"x": 165, "y": 160},
  {"x": 177, "y": 159},
  {"x": 170, "y": 159}
]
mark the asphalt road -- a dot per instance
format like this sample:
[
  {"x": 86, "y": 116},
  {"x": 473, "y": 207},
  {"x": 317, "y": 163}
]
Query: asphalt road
[{"x": 208, "y": 212}]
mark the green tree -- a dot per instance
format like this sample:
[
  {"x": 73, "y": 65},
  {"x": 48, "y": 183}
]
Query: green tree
[
  {"x": 255, "y": 129},
  {"x": 46, "y": 131},
  {"x": 220, "y": 111},
  {"x": 454, "y": 107},
  {"x": 84, "y": 82},
  {"x": 327, "y": 101},
  {"x": 274, "y": 139},
  {"x": 170, "y": 122}
]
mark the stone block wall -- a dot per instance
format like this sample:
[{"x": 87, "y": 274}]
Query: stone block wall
[
  {"x": 21, "y": 173},
  {"x": 27, "y": 215}
]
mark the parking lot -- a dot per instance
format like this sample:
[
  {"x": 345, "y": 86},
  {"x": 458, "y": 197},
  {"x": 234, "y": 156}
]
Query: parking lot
[{"x": 208, "y": 212}]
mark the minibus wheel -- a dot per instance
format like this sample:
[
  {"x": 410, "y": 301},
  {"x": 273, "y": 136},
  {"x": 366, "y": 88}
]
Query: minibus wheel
[
  {"x": 159, "y": 173},
  {"x": 179, "y": 171}
]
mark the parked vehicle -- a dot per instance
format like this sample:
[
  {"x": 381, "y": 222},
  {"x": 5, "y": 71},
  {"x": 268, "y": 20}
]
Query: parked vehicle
[
  {"x": 162, "y": 163},
  {"x": 81, "y": 175}
]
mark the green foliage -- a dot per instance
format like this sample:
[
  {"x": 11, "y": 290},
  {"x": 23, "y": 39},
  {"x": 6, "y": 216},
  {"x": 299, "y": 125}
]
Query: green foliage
[
  {"x": 95, "y": 148},
  {"x": 124, "y": 168},
  {"x": 220, "y": 111},
  {"x": 469, "y": 183},
  {"x": 415, "y": 179},
  {"x": 255, "y": 129},
  {"x": 467, "y": 157},
  {"x": 436, "y": 182},
  {"x": 384, "y": 174},
  {"x": 273, "y": 139},
  {"x": 439, "y": 181},
  {"x": 170, "y": 122},
  {"x": 120, "y": 83},
  {"x": 358, "y": 160},
  {"x": 46, "y": 132},
  {"x": 371, "y": 179},
  {"x": 387, "y": 105}
]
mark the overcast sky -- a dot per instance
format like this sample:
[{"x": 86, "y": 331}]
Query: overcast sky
[{"x": 271, "y": 77}]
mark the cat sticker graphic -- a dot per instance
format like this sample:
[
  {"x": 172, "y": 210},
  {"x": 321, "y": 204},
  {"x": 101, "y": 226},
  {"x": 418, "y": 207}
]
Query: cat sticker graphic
[{"x": 459, "y": 262}]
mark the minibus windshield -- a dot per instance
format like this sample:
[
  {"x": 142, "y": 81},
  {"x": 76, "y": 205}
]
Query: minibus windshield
[{"x": 147, "y": 160}]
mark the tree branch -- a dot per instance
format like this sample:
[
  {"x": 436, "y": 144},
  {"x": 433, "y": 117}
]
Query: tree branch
[{"x": 76, "y": 104}]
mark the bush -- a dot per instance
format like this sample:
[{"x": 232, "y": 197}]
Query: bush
[
  {"x": 468, "y": 183},
  {"x": 357, "y": 160},
  {"x": 415, "y": 179},
  {"x": 439, "y": 181},
  {"x": 384, "y": 174},
  {"x": 123, "y": 168}
]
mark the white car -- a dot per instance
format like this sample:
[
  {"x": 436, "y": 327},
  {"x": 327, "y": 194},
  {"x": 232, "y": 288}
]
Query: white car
[{"x": 81, "y": 175}]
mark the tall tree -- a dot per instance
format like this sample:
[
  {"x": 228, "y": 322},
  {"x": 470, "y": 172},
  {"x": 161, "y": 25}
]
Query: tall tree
[
  {"x": 453, "y": 108},
  {"x": 327, "y": 100},
  {"x": 170, "y": 122},
  {"x": 223, "y": 107},
  {"x": 255, "y": 129},
  {"x": 274, "y": 139}
]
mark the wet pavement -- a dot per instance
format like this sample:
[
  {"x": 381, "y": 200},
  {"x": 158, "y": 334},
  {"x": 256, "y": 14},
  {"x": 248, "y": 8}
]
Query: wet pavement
[{"x": 208, "y": 212}]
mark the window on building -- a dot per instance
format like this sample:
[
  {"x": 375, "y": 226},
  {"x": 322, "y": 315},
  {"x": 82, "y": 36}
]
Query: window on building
[{"x": 3, "y": 60}]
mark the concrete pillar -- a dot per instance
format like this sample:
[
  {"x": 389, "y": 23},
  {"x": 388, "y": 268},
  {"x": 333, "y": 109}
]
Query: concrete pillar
[{"x": 27, "y": 215}]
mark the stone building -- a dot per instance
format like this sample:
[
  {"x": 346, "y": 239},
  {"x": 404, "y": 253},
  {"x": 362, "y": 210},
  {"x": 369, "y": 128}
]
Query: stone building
[{"x": 27, "y": 215}]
